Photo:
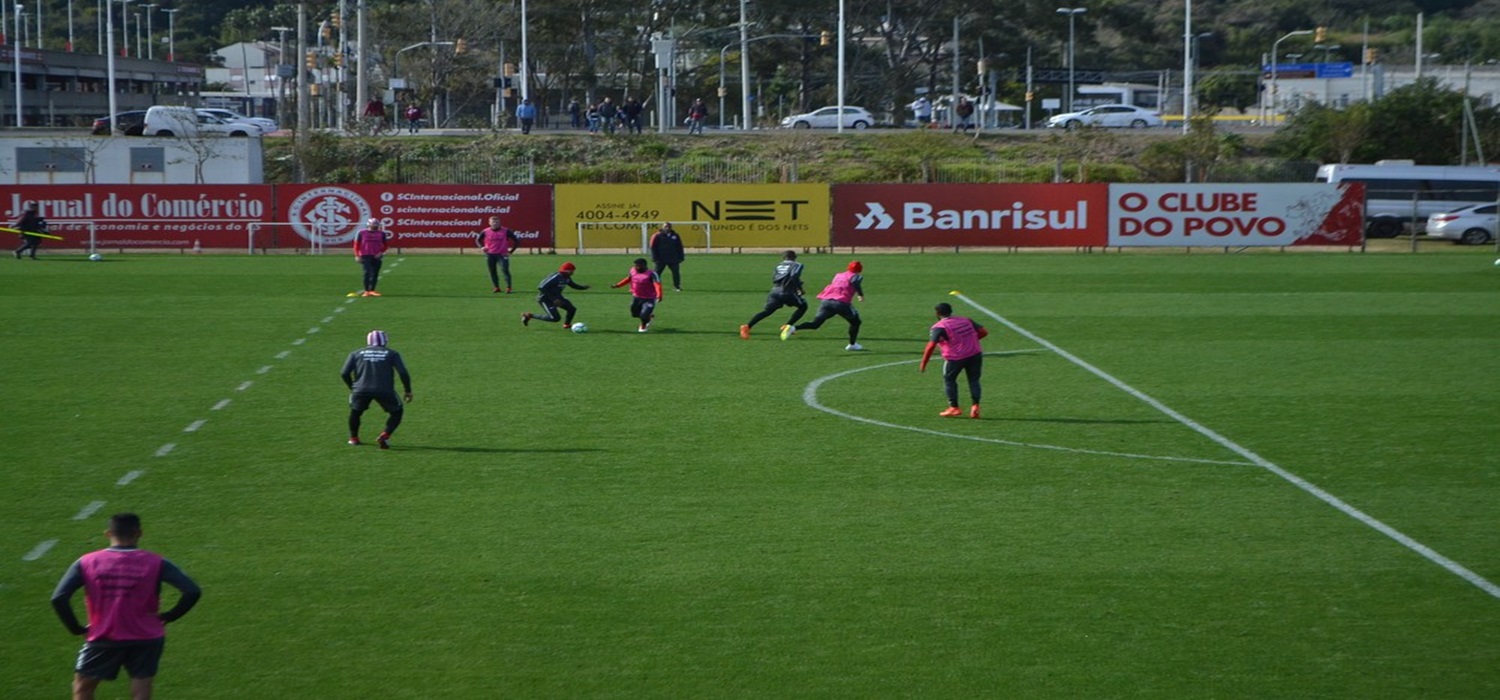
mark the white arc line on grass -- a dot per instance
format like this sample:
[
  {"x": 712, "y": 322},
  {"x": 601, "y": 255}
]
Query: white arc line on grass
[
  {"x": 129, "y": 477},
  {"x": 810, "y": 397},
  {"x": 1426, "y": 552},
  {"x": 88, "y": 510},
  {"x": 166, "y": 449},
  {"x": 220, "y": 405},
  {"x": 39, "y": 551},
  {"x": 195, "y": 425}
]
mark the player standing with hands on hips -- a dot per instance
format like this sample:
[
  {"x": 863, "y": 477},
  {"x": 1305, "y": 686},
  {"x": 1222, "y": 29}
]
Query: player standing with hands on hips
[
  {"x": 959, "y": 339},
  {"x": 370, "y": 245},
  {"x": 370, "y": 375},
  {"x": 549, "y": 295},
  {"x": 844, "y": 288},
  {"x": 645, "y": 292},
  {"x": 498, "y": 243},
  {"x": 667, "y": 253},
  {"x": 122, "y": 586}
]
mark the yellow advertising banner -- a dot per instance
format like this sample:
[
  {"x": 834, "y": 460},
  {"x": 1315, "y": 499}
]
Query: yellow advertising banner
[{"x": 590, "y": 217}]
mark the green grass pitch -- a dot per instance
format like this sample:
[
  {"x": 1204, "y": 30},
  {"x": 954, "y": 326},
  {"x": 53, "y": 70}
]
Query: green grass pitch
[{"x": 665, "y": 515}]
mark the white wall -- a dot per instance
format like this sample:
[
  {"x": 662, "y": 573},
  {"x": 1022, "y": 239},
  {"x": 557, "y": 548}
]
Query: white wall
[{"x": 130, "y": 160}]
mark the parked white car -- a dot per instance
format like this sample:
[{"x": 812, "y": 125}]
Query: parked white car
[
  {"x": 1108, "y": 116},
  {"x": 232, "y": 117},
  {"x": 1474, "y": 225},
  {"x": 828, "y": 118},
  {"x": 163, "y": 120}
]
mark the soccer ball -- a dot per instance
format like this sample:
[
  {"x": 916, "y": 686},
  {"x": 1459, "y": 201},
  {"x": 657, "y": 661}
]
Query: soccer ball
[
  {"x": 580, "y": 328},
  {"x": 96, "y": 257}
]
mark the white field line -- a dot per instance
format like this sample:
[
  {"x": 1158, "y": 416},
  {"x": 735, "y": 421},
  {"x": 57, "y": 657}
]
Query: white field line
[
  {"x": 263, "y": 369},
  {"x": 38, "y": 551},
  {"x": 129, "y": 477},
  {"x": 220, "y": 405},
  {"x": 166, "y": 449},
  {"x": 299, "y": 341},
  {"x": 327, "y": 319},
  {"x": 283, "y": 354},
  {"x": 1426, "y": 552},
  {"x": 810, "y": 397},
  {"x": 195, "y": 425},
  {"x": 244, "y": 385},
  {"x": 88, "y": 510}
]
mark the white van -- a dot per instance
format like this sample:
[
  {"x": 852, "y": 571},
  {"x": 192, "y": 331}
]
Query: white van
[
  {"x": 163, "y": 120},
  {"x": 1400, "y": 195}
]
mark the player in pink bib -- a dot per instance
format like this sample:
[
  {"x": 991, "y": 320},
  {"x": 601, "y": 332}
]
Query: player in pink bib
[
  {"x": 498, "y": 243},
  {"x": 845, "y": 288},
  {"x": 958, "y": 338},
  {"x": 122, "y": 590},
  {"x": 645, "y": 293},
  {"x": 369, "y": 249}
]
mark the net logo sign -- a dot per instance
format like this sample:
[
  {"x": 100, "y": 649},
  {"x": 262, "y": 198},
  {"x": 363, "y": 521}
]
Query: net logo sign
[
  {"x": 747, "y": 210},
  {"x": 970, "y": 215}
]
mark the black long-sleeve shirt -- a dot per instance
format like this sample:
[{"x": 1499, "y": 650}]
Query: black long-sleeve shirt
[{"x": 371, "y": 371}]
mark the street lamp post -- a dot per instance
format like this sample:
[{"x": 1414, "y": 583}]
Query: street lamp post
[
  {"x": 743, "y": 43},
  {"x": 15, "y": 59},
  {"x": 1275, "y": 46},
  {"x": 281, "y": 74},
  {"x": 150, "y": 36},
  {"x": 124, "y": 27},
  {"x": 171, "y": 33},
  {"x": 1072, "y": 13}
]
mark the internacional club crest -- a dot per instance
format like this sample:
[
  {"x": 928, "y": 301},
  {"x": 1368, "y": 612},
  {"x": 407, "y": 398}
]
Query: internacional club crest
[{"x": 329, "y": 215}]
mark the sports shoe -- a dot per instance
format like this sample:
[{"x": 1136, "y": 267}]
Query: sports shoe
[
  {"x": 567, "y": 326},
  {"x": 854, "y": 346},
  {"x": 495, "y": 290},
  {"x": 365, "y": 293},
  {"x": 526, "y": 319},
  {"x": 974, "y": 411},
  {"x": 507, "y": 290},
  {"x": 354, "y": 440},
  {"x": 951, "y": 412},
  {"x": 384, "y": 441},
  {"x": 642, "y": 329},
  {"x": 788, "y": 331},
  {"x": 373, "y": 293},
  {"x": 744, "y": 332}
]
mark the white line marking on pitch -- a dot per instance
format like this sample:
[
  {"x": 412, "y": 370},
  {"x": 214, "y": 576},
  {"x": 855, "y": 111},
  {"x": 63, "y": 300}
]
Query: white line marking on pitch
[
  {"x": 195, "y": 425},
  {"x": 38, "y": 551},
  {"x": 129, "y": 477},
  {"x": 810, "y": 397},
  {"x": 327, "y": 319},
  {"x": 263, "y": 369},
  {"x": 88, "y": 510},
  {"x": 340, "y": 309},
  {"x": 283, "y": 354},
  {"x": 1426, "y": 552},
  {"x": 299, "y": 341},
  {"x": 313, "y": 330},
  {"x": 220, "y": 405},
  {"x": 244, "y": 386},
  {"x": 166, "y": 449}
]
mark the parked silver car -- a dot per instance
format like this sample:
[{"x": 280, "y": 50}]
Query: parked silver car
[
  {"x": 828, "y": 118},
  {"x": 1474, "y": 225}
]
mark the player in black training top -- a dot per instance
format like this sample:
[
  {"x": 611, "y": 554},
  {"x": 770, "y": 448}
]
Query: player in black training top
[
  {"x": 786, "y": 290},
  {"x": 549, "y": 295},
  {"x": 370, "y": 374}
]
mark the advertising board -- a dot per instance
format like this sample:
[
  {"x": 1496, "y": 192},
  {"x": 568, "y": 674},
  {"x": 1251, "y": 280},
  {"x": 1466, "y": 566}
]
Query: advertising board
[
  {"x": 1028, "y": 215},
  {"x": 1255, "y": 214},
  {"x": 419, "y": 216},
  {"x": 736, "y": 216},
  {"x": 144, "y": 216}
]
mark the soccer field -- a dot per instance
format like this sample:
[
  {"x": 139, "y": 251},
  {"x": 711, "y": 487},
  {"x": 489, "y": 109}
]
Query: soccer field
[{"x": 1262, "y": 475}]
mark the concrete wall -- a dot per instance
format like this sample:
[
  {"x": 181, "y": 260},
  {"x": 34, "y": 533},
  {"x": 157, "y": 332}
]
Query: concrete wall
[{"x": 130, "y": 160}]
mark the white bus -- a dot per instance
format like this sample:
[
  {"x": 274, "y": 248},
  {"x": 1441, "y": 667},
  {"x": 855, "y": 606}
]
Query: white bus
[{"x": 1399, "y": 196}]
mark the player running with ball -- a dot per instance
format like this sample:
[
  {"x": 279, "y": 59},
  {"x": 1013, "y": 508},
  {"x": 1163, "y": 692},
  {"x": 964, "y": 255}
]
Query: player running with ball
[
  {"x": 549, "y": 295},
  {"x": 844, "y": 288},
  {"x": 645, "y": 292},
  {"x": 959, "y": 339}
]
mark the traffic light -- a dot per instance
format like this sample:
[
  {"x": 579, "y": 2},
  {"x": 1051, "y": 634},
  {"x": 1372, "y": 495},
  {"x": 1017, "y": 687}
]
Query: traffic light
[
  {"x": 459, "y": 46},
  {"x": 311, "y": 60},
  {"x": 1320, "y": 35},
  {"x": 825, "y": 38},
  {"x": 337, "y": 19},
  {"x": 510, "y": 69},
  {"x": 338, "y": 60},
  {"x": 1370, "y": 56},
  {"x": 723, "y": 91}
]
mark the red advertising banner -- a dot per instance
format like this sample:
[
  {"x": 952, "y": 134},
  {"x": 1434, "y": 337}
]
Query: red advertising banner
[
  {"x": 1251, "y": 214},
  {"x": 420, "y": 216},
  {"x": 144, "y": 216},
  {"x": 1023, "y": 215}
]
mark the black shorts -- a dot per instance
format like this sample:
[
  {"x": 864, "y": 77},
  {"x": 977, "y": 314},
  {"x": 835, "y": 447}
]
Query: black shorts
[
  {"x": 778, "y": 299},
  {"x": 102, "y": 659},
  {"x": 390, "y": 402}
]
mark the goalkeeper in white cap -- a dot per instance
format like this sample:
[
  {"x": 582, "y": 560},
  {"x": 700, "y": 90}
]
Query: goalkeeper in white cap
[{"x": 370, "y": 373}]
